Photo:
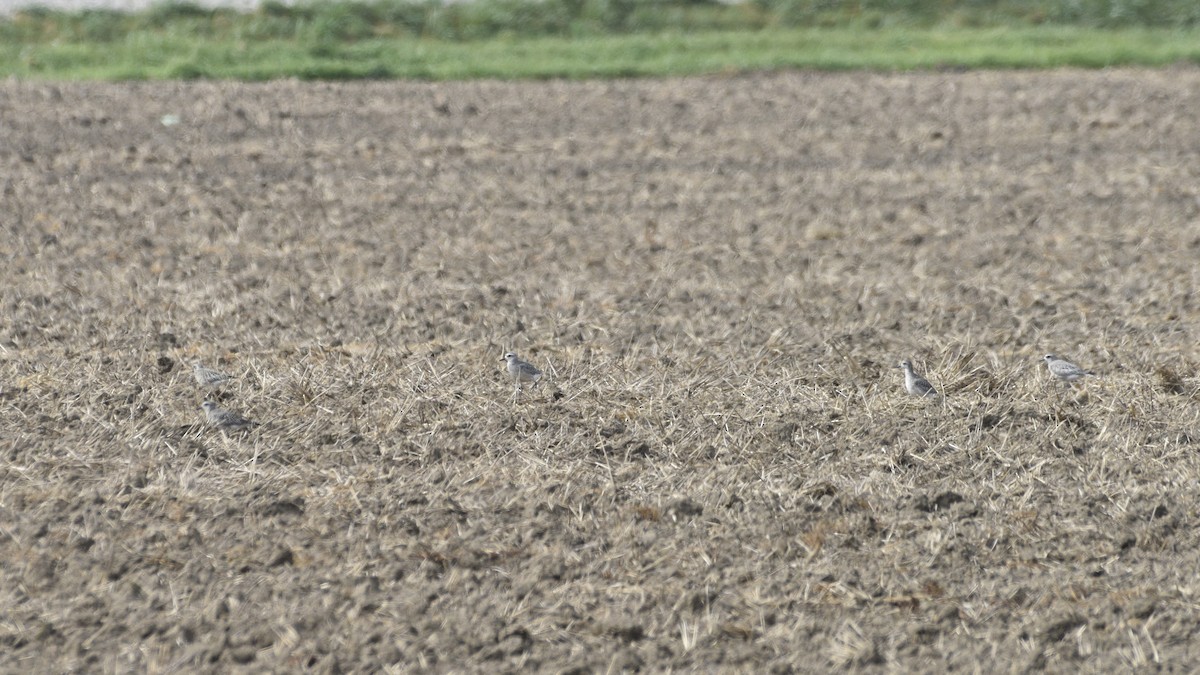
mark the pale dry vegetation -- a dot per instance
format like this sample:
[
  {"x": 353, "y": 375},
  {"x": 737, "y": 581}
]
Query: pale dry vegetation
[{"x": 721, "y": 470}]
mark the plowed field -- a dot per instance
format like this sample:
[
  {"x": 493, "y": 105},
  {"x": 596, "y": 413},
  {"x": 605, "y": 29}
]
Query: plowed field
[{"x": 720, "y": 470}]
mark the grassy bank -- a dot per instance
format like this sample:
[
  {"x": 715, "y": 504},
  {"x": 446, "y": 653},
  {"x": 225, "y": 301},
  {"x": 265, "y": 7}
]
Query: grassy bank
[
  {"x": 149, "y": 56},
  {"x": 520, "y": 39}
]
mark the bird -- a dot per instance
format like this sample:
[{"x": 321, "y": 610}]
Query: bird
[
  {"x": 225, "y": 419},
  {"x": 522, "y": 371},
  {"x": 914, "y": 383},
  {"x": 1065, "y": 370},
  {"x": 207, "y": 377}
]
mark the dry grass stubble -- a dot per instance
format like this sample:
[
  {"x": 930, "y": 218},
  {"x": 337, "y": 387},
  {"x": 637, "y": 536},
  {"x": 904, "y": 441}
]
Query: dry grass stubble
[{"x": 720, "y": 469}]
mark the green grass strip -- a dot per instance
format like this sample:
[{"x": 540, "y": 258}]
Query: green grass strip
[{"x": 150, "y": 54}]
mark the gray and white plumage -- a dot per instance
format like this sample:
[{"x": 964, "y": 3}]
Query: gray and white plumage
[
  {"x": 1065, "y": 370},
  {"x": 914, "y": 383},
  {"x": 521, "y": 371},
  {"x": 207, "y": 377},
  {"x": 224, "y": 419}
]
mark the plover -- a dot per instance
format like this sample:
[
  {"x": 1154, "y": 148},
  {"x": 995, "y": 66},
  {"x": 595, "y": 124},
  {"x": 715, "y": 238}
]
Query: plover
[
  {"x": 914, "y": 383},
  {"x": 224, "y": 419},
  {"x": 207, "y": 377},
  {"x": 522, "y": 371},
  {"x": 1065, "y": 370}
]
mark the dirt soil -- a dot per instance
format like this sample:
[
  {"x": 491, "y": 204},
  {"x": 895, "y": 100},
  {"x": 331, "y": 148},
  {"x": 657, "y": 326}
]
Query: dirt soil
[{"x": 720, "y": 471}]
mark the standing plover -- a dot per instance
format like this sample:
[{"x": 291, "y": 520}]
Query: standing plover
[
  {"x": 1065, "y": 370},
  {"x": 522, "y": 371},
  {"x": 914, "y": 383},
  {"x": 207, "y": 377},
  {"x": 224, "y": 419}
]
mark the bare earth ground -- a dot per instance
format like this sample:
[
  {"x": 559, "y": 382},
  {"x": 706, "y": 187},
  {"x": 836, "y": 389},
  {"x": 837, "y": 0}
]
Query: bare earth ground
[{"x": 721, "y": 472}]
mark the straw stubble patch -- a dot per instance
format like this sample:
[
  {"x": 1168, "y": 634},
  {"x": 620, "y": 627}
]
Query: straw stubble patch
[{"x": 720, "y": 469}]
